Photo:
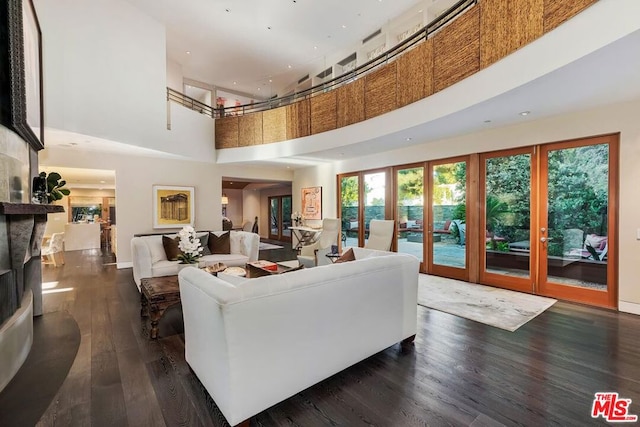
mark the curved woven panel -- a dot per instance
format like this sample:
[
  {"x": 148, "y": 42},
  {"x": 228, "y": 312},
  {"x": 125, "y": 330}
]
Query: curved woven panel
[
  {"x": 323, "y": 112},
  {"x": 380, "y": 91},
  {"x": 227, "y": 132},
  {"x": 557, "y": 12},
  {"x": 506, "y": 26},
  {"x": 250, "y": 129},
  {"x": 350, "y": 103},
  {"x": 456, "y": 50},
  {"x": 274, "y": 125}
]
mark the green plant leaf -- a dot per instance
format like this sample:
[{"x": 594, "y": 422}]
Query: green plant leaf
[
  {"x": 65, "y": 191},
  {"x": 54, "y": 176},
  {"x": 62, "y": 183},
  {"x": 43, "y": 175}
]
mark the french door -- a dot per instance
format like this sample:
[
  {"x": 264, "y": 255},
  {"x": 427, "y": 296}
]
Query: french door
[
  {"x": 280, "y": 218},
  {"x": 545, "y": 215},
  {"x": 448, "y": 234}
]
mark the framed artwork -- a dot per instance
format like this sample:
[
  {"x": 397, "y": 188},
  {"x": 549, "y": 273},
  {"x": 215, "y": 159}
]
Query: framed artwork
[
  {"x": 312, "y": 203},
  {"x": 173, "y": 207},
  {"x": 22, "y": 109}
]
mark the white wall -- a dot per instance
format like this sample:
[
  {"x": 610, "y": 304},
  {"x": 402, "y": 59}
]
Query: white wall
[
  {"x": 174, "y": 75},
  {"x": 135, "y": 177},
  {"x": 251, "y": 205},
  {"x": 234, "y": 208},
  {"x": 105, "y": 76},
  {"x": 324, "y": 176}
]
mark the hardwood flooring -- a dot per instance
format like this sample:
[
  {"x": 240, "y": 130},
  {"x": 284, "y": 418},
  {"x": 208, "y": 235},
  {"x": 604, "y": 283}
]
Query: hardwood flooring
[{"x": 459, "y": 373}]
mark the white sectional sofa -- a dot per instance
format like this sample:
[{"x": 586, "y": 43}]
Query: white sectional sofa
[
  {"x": 149, "y": 258},
  {"x": 260, "y": 341}
]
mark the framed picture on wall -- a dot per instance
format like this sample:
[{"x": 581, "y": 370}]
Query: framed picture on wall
[
  {"x": 22, "y": 109},
  {"x": 173, "y": 206},
  {"x": 312, "y": 202}
]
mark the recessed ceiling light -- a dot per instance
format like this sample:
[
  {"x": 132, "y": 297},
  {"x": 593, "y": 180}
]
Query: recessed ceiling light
[
  {"x": 315, "y": 47},
  {"x": 268, "y": 28},
  {"x": 409, "y": 139},
  {"x": 227, "y": 10},
  {"x": 270, "y": 81},
  {"x": 235, "y": 83},
  {"x": 525, "y": 113},
  {"x": 258, "y": 88},
  {"x": 420, "y": 11},
  {"x": 188, "y": 52},
  {"x": 487, "y": 121},
  {"x": 289, "y": 65},
  {"x": 344, "y": 26},
  {"x": 101, "y": 182}
]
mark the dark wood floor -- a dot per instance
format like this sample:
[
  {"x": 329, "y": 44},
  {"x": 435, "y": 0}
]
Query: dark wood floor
[{"x": 460, "y": 372}]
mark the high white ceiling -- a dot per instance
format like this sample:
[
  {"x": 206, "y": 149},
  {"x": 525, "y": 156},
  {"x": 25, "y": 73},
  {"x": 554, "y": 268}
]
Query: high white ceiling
[{"x": 253, "y": 41}]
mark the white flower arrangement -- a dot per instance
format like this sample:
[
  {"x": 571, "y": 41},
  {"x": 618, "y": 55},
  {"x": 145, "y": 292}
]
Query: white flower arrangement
[
  {"x": 189, "y": 245},
  {"x": 297, "y": 217}
]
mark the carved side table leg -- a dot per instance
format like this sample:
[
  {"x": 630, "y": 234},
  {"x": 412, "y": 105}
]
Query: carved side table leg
[
  {"x": 155, "y": 313},
  {"x": 144, "y": 306}
]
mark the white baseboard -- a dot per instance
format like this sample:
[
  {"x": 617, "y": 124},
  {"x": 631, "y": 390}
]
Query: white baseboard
[
  {"x": 121, "y": 265},
  {"x": 629, "y": 307}
]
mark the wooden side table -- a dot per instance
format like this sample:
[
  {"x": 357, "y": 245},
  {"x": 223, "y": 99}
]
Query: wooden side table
[{"x": 156, "y": 295}]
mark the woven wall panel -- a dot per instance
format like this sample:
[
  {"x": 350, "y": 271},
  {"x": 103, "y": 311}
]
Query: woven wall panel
[
  {"x": 298, "y": 119},
  {"x": 227, "y": 132},
  {"x": 350, "y": 103},
  {"x": 380, "y": 91},
  {"x": 415, "y": 74},
  {"x": 323, "y": 112},
  {"x": 556, "y": 12},
  {"x": 274, "y": 125},
  {"x": 506, "y": 26},
  {"x": 456, "y": 50},
  {"x": 250, "y": 129}
]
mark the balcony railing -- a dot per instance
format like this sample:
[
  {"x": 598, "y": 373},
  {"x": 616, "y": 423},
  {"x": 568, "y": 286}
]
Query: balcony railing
[{"x": 431, "y": 28}]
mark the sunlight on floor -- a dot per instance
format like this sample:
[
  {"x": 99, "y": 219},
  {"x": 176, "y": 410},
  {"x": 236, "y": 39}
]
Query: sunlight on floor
[{"x": 51, "y": 288}]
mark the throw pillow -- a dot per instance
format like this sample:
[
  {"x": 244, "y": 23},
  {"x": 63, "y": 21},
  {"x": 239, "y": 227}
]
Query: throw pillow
[
  {"x": 171, "y": 247},
  {"x": 220, "y": 244},
  {"x": 346, "y": 257},
  {"x": 204, "y": 244}
]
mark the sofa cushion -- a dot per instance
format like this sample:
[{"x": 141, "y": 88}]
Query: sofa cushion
[
  {"x": 204, "y": 244},
  {"x": 346, "y": 257},
  {"x": 171, "y": 247},
  {"x": 220, "y": 244},
  {"x": 164, "y": 268},
  {"x": 156, "y": 250}
]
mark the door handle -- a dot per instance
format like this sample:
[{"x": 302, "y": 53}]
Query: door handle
[{"x": 543, "y": 239}]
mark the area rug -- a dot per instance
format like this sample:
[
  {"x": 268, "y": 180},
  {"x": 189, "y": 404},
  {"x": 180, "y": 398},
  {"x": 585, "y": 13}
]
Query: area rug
[
  {"x": 492, "y": 306},
  {"x": 266, "y": 246}
]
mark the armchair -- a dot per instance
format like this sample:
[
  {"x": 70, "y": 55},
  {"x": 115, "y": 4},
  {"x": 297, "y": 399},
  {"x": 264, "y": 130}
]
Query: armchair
[
  {"x": 53, "y": 253},
  {"x": 314, "y": 254},
  {"x": 380, "y": 234}
]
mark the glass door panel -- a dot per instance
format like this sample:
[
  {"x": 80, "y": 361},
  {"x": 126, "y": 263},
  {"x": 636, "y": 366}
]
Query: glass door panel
[
  {"x": 506, "y": 213},
  {"x": 410, "y": 211},
  {"x": 575, "y": 240},
  {"x": 448, "y": 218},
  {"x": 349, "y": 209},
  {"x": 274, "y": 218},
  {"x": 286, "y": 218},
  {"x": 374, "y": 198}
]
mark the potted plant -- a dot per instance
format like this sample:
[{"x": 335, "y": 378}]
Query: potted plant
[
  {"x": 47, "y": 188},
  {"x": 189, "y": 245}
]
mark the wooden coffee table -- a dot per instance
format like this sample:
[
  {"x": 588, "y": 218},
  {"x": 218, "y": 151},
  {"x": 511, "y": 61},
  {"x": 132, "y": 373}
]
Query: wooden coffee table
[
  {"x": 156, "y": 295},
  {"x": 281, "y": 267}
]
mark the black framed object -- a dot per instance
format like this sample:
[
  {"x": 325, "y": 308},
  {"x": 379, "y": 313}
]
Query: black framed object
[{"x": 21, "y": 99}]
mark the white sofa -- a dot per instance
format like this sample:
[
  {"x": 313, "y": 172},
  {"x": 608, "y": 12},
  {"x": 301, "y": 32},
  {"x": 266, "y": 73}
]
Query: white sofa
[
  {"x": 150, "y": 260},
  {"x": 260, "y": 341}
]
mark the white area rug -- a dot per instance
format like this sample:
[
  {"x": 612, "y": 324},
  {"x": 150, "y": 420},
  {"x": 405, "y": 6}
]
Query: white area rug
[
  {"x": 266, "y": 246},
  {"x": 493, "y": 306}
]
